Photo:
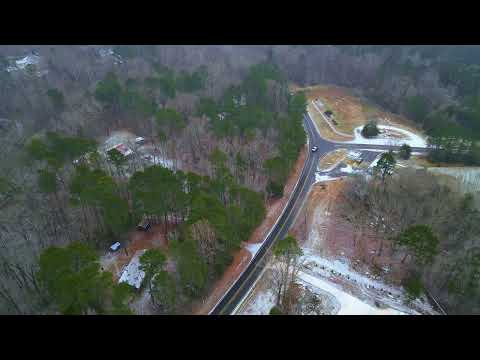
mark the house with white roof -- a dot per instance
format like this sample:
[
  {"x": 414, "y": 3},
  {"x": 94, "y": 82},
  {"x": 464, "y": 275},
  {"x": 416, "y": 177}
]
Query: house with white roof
[{"x": 132, "y": 274}]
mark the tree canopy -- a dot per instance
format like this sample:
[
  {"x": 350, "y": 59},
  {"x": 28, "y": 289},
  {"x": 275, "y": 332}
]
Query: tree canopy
[
  {"x": 385, "y": 165},
  {"x": 73, "y": 280},
  {"x": 421, "y": 241}
]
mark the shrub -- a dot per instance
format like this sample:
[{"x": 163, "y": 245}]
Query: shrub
[
  {"x": 405, "y": 152},
  {"x": 275, "y": 311},
  {"x": 370, "y": 130},
  {"x": 274, "y": 189},
  {"x": 414, "y": 287}
]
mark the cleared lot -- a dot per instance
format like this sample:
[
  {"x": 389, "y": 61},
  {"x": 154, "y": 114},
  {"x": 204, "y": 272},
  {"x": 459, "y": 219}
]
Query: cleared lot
[{"x": 349, "y": 111}]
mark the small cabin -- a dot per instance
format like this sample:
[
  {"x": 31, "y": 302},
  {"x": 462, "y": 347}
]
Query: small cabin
[
  {"x": 144, "y": 224},
  {"x": 122, "y": 149},
  {"x": 133, "y": 274}
]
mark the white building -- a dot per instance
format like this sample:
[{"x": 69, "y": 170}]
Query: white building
[{"x": 132, "y": 274}]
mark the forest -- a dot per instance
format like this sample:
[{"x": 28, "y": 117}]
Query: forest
[
  {"x": 96, "y": 198},
  {"x": 224, "y": 116}
]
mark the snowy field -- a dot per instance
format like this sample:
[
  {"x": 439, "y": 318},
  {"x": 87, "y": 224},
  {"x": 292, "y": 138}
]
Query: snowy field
[
  {"x": 389, "y": 136},
  {"x": 369, "y": 287},
  {"x": 349, "y": 305},
  {"x": 260, "y": 304}
]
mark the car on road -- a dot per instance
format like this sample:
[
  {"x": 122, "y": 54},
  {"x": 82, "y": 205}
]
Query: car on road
[{"x": 315, "y": 148}]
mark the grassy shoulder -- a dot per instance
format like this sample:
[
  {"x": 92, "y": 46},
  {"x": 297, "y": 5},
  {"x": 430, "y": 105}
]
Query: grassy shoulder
[
  {"x": 332, "y": 158},
  {"x": 325, "y": 130}
]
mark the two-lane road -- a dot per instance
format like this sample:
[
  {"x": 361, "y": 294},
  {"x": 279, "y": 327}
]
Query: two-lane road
[
  {"x": 237, "y": 291},
  {"x": 242, "y": 285}
]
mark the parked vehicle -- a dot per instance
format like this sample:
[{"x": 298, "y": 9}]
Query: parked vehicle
[
  {"x": 115, "y": 246},
  {"x": 315, "y": 148}
]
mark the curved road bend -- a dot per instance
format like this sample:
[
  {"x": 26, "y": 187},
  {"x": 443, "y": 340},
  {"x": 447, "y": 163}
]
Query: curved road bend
[{"x": 242, "y": 285}]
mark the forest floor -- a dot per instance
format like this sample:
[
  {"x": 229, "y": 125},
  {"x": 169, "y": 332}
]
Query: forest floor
[{"x": 244, "y": 255}]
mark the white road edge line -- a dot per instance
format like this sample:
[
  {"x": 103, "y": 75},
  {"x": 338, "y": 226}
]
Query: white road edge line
[{"x": 271, "y": 229}]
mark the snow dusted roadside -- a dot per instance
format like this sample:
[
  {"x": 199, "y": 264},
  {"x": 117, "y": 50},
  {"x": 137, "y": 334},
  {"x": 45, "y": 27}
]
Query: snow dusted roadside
[{"x": 253, "y": 248}]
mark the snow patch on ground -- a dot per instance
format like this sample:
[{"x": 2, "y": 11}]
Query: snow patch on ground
[
  {"x": 349, "y": 305},
  {"x": 253, "y": 248},
  {"x": 22, "y": 63},
  {"x": 374, "y": 162},
  {"x": 261, "y": 304},
  {"x": 157, "y": 160},
  {"x": 374, "y": 150},
  {"x": 320, "y": 178},
  {"x": 384, "y": 138},
  {"x": 108, "y": 53},
  {"x": 369, "y": 286},
  {"x": 349, "y": 170},
  {"x": 27, "y": 60}
]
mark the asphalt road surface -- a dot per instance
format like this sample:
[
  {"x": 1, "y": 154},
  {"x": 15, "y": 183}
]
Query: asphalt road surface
[{"x": 242, "y": 285}]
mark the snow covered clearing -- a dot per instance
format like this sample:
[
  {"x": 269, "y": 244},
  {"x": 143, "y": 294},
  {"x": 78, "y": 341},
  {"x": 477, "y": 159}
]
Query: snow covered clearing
[
  {"x": 368, "y": 285},
  {"x": 389, "y": 136},
  {"x": 349, "y": 305},
  {"x": 352, "y": 292},
  {"x": 261, "y": 304}
]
